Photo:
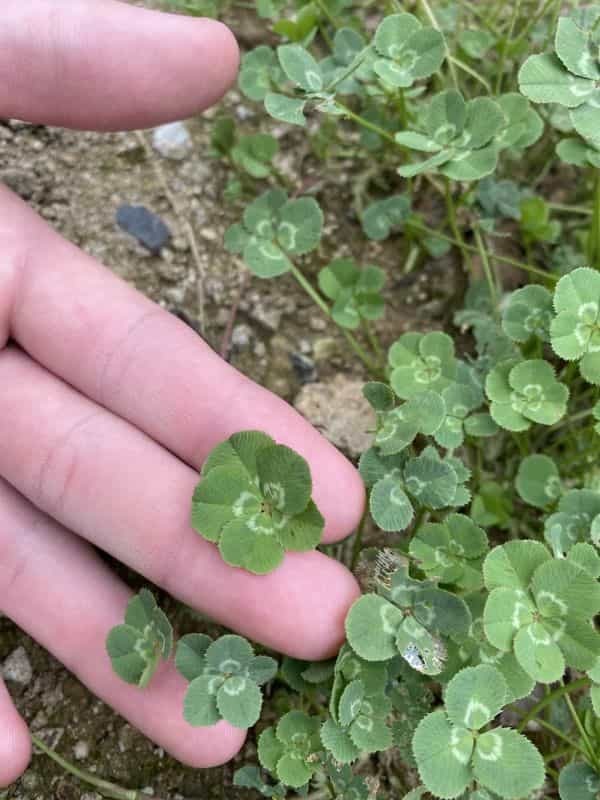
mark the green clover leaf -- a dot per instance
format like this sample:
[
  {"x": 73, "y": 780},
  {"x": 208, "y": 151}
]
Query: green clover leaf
[
  {"x": 538, "y": 481},
  {"x": 342, "y": 69},
  {"x": 541, "y": 608},
  {"x": 523, "y": 126},
  {"x": 249, "y": 777},
  {"x": 578, "y": 782},
  {"x": 570, "y": 77},
  {"x": 136, "y": 648},
  {"x": 381, "y": 217},
  {"x": 254, "y": 502},
  {"x": 273, "y": 229},
  {"x": 421, "y": 362},
  {"x": 528, "y": 314},
  {"x": 451, "y": 551},
  {"x": 499, "y": 199},
  {"x": 356, "y": 293},
  {"x": 288, "y": 750},
  {"x": 407, "y": 51},
  {"x": 360, "y": 725},
  {"x": 578, "y": 152},
  {"x": 452, "y": 751},
  {"x": 225, "y": 676},
  {"x": 407, "y": 620},
  {"x": 575, "y": 332},
  {"x": 460, "y": 400},
  {"x": 573, "y": 521},
  {"x": 460, "y": 134},
  {"x": 398, "y": 427},
  {"x": 259, "y": 73},
  {"x": 475, "y": 42},
  {"x": 535, "y": 222},
  {"x": 525, "y": 392},
  {"x": 254, "y": 154}
]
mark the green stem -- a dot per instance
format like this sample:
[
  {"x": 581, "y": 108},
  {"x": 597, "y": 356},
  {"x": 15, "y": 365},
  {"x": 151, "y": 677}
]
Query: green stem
[
  {"x": 434, "y": 23},
  {"x": 582, "y": 732},
  {"x": 568, "y": 688},
  {"x": 326, "y": 13},
  {"x": 358, "y": 539},
  {"x": 504, "y": 46},
  {"x": 565, "y": 751},
  {"x": 374, "y": 342},
  {"x": 105, "y": 788},
  {"x": 570, "y": 209},
  {"x": 594, "y": 235},
  {"x": 370, "y": 126},
  {"x": 502, "y": 259},
  {"x": 451, "y": 208},
  {"x": 560, "y": 735},
  {"x": 316, "y": 297},
  {"x": 488, "y": 272}
]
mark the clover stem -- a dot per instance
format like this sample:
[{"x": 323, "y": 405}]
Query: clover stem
[
  {"x": 316, "y": 297},
  {"x": 533, "y": 21},
  {"x": 106, "y": 788},
  {"x": 502, "y": 259},
  {"x": 556, "y": 754},
  {"x": 594, "y": 235},
  {"x": 435, "y": 24},
  {"x": 488, "y": 270},
  {"x": 357, "y": 544},
  {"x": 451, "y": 209},
  {"x": 326, "y": 13},
  {"x": 374, "y": 341},
  {"x": 560, "y": 735},
  {"x": 582, "y": 731},
  {"x": 504, "y": 46},
  {"x": 370, "y": 126},
  {"x": 581, "y": 683}
]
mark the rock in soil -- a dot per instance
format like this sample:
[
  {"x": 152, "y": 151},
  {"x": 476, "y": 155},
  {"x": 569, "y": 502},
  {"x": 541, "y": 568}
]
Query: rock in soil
[
  {"x": 145, "y": 226},
  {"x": 172, "y": 140}
]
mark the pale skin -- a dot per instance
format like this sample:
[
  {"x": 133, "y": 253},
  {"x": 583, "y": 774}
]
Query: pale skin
[{"x": 108, "y": 404}]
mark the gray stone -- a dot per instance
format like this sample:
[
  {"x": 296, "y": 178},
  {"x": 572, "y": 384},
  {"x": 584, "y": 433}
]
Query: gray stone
[
  {"x": 172, "y": 140},
  {"x": 339, "y": 410},
  {"x": 304, "y": 367},
  {"x": 81, "y": 750},
  {"x": 17, "y": 667},
  {"x": 241, "y": 337},
  {"x": 146, "y": 227}
]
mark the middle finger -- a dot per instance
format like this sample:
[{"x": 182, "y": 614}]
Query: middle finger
[{"x": 98, "y": 475}]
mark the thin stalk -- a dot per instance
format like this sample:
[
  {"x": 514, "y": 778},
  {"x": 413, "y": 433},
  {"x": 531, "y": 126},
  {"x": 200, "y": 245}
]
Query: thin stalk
[
  {"x": 326, "y": 13},
  {"x": 488, "y": 272},
  {"x": 434, "y": 23},
  {"x": 594, "y": 236},
  {"x": 582, "y": 731},
  {"x": 561, "y": 207},
  {"x": 565, "y": 751},
  {"x": 560, "y": 735},
  {"x": 504, "y": 46},
  {"x": 370, "y": 126},
  {"x": 581, "y": 683},
  {"x": 473, "y": 73},
  {"x": 106, "y": 788},
  {"x": 451, "y": 208},
  {"x": 358, "y": 539},
  {"x": 502, "y": 259},
  {"x": 316, "y": 297},
  {"x": 533, "y": 21},
  {"x": 373, "y": 340}
]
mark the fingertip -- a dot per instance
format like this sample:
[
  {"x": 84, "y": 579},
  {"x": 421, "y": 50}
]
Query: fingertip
[
  {"x": 221, "y": 60},
  {"x": 225, "y": 743},
  {"x": 15, "y": 747},
  {"x": 340, "y": 495}
]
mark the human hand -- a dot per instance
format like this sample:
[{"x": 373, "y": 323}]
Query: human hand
[{"x": 108, "y": 404}]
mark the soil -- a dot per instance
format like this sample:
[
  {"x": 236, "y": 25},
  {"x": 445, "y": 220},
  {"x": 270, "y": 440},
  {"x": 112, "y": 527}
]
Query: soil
[{"x": 278, "y": 337}]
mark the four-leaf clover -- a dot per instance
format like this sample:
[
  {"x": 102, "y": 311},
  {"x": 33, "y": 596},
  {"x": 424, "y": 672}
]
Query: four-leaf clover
[
  {"x": 541, "y": 608},
  {"x": 406, "y": 50},
  {"x": 289, "y": 750},
  {"x": 273, "y": 229},
  {"x": 525, "y": 392},
  {"x": 225, "y": 676},
  {"x": 528, "y": 313},
  {"x": 452, "y": 749},
  {"x": 421, "y": 362},
  {"x": 254, "y": 501}
]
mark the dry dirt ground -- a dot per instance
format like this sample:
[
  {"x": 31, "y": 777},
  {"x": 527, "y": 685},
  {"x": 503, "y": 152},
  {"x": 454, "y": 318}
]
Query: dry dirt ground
[{"x": 77, "y": 181}]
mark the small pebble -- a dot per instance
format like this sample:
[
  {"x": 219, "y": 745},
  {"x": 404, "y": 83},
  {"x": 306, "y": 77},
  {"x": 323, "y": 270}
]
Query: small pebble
[
  {"x": 81, "y": 750},
  {"x": 17, "y": 667},
  {"x": 146, "y": 227},
  {"x": 304, "y": 367},
  {"x": 172, "y": 140}
]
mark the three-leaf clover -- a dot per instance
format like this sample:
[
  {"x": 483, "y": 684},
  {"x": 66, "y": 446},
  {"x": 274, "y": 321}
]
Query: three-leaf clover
[
  {"x": 574, "y": 520},
  {"x": 136, "y": 647},
  {"x": 538, "y": 481},
  {"x": 273, "y": 229},
  {"x": 254, "y": 501},
  {"x": 397, "y": 428},
  {"x": 406, "y": 619},
  {"x": 406, "y": 50},
  {"x": 579, "y": 782},
  {"x": 421, "y": 362},
  {"x": 259, "y": 73},
  {"x": 255, "y": 153},
  {"x": 541, "y": 608},
  {"x": 460, "y": 134},
  {"x": 525, "y": 392},
  {"x": 575, "y": 331},
  {"x": 225, "y": 676},
  {"x": 307, "y": 77},
  {"x": 451, "y": 551},
  {"x": 452, "y": 750},
  {"x": 460, "y": 400},
  {"x": 289, "y": 751},
  {"x": 528, "y": 313},
  {"x": 569, "y": 78},
  {"x": 356, "y": 292}
]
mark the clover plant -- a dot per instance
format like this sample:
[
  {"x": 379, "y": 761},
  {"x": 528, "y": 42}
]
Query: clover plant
[
  {"x": 413, "y": 139},
  {"x": 254, "y": 501}
]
